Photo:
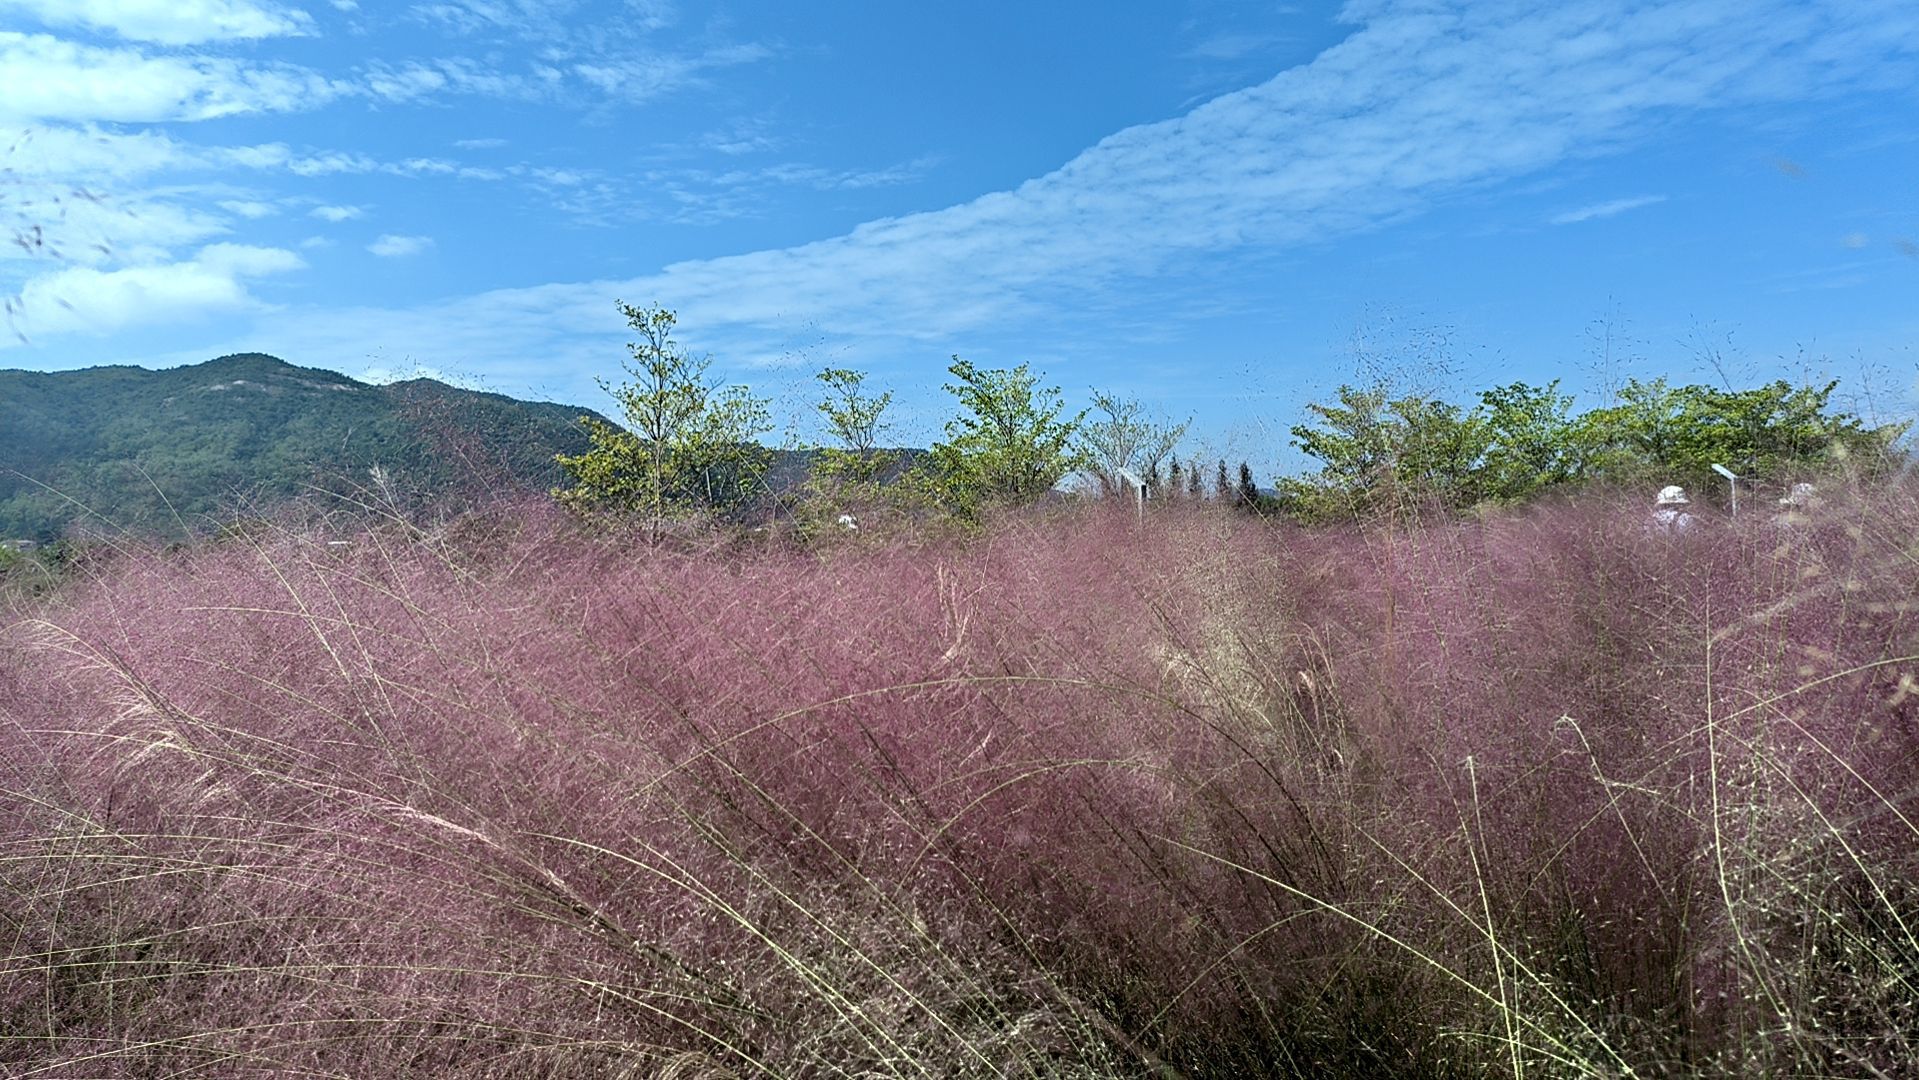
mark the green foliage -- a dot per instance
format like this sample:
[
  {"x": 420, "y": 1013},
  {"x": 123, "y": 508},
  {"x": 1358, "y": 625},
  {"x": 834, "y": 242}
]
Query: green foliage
[
  {"x": 688, "y": 448},
  {"x": 855, "y": 420},
  {"x": 1123, "y": 434},
  {"x": 1381, "y": 454},
  {"x": 32, "y": 572},
  {"x": 177, "y": 451},
  {"x": 1529, "y": 442},
  {"x": 856, "y": 475},
  {"x": 1246, "y": 496},
  {"x": 1009, "y": 446},
  {"x": 1660, "y": 431}
]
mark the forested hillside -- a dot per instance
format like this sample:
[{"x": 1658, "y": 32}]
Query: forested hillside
[{"x": 176, "y": 450}]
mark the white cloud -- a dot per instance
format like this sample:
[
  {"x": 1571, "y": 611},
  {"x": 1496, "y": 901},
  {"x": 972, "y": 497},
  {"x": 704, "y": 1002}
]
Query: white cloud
[
  {"x": 82, "y": 299},
  {"x": 250, "y": 209},
  {"x": 1855, "y": 240},
  {"x": 103, "y": 157},
  {"x": 46, "y": 78},
  {"x": 415, "y": 80},
  {"x": 557, "y": 177},
  {"x": 242, "y": 260},
  {"x": 479, "y": 144},
  {"x": 169, "y": 22},
  {"x": 752, "y": 135},
  {"x": 93, "y": 230},
  {"x": 700, "y": 196},
  {"x": 838, "y": 179},
  {"x": 1231, "y": 46},
  {"x": 340, "y": 162},
  {"x": 1606, "y": 209},
  {"x": 63, "y": 151},
  {"x": 483, "y": 16},
  {"x": 538, "y": 20},
  {"x": 395, "y": 247},
  {"x": 637, "y": 79},
  {"x": 1424, "y": 100},
  {"x": 336, "y": 214},
  {"x": 651, "y": 14}
]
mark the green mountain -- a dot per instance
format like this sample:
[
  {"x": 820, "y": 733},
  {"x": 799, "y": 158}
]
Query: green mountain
[{"x": 182, "y": 449}]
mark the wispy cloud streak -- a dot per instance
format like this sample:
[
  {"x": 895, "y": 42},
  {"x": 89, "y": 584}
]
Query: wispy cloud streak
[
  {"x": 169, "y": 22},
  {"x": 1611, "y": 208},
  {"x": 1421, "y": 100}
]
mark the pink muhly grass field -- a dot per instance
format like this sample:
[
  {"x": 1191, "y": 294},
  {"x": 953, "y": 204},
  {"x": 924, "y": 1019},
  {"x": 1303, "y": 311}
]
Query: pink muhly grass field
[{"x": 1542, "y": 794}]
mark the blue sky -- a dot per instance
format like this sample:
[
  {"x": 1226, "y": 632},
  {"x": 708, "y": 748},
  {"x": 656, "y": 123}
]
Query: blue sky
[{"x": 1223, "y": 208}]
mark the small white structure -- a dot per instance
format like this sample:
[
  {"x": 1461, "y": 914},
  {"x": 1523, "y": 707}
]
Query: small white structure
[
  {"x": 1797, "y": 506},
  {"x": 1732, "y": 478},
  {"x": 849, "y": 523},
  {"x": 1137, "y": 486},
  {"x": 1800, "y": 495},
  {"x": 1669, "y": 512}
]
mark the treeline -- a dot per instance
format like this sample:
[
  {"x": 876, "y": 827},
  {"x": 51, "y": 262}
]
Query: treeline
[
  {"x": 1379, "y": 453},
  {"x": 689, "y": 447}
]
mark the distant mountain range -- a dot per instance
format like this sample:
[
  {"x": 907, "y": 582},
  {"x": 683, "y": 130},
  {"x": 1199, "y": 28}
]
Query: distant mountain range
[{"x": 180, "y": 450}]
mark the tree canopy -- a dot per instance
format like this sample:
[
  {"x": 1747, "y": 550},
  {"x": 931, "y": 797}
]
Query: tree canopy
[
  {"x": 688, "y": 447},
  {"x": 1382, "y": 453},
  {"x": 1011, "y": 443},
  {"x": 1122, "y": 433}
]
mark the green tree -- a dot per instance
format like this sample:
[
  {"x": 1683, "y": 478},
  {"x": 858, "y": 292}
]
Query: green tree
[
  {"x": 855, "y": 421},
  {"x": 1530, "y": 442},
  {"x": 1011, "y": 443},
  {"x": 1124, "y": 434},
  {"x": 854, "y": 474},
  {"x": 1247, "y": 494},
  {"x": 853, "y": 417},
  {"x": 1384, "y": 454},
  {"x": 1632, "y": 440},
  {"x": 689, "y": 446},
  {"x": 1675, "y": 434}
]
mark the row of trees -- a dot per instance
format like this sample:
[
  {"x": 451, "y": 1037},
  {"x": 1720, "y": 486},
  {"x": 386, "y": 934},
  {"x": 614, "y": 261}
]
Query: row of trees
[
  {"x": 1382, "y": 453},
  {"x": 690, "y": 446}
]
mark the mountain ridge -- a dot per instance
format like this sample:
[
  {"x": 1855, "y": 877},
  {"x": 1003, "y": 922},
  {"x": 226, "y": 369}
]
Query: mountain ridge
[{"x": 172, "y": 450}]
